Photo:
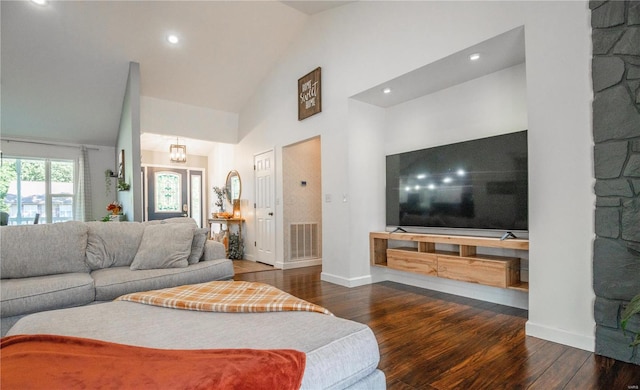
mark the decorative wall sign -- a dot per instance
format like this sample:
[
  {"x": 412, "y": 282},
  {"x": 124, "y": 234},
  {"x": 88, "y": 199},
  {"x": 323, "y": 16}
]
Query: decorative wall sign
[{"x": 309, "y": 94}]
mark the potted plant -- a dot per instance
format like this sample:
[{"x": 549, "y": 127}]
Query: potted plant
[
  {"x": 236, "y": 246},
  {"x": 632, "y": 308},
  {"x": 123, "y": 185},
  {"x": 220, "y": 194},
  {"x": 115, "y": 208}
]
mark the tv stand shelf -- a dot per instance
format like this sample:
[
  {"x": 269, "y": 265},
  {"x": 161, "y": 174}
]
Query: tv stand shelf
[{"x": 465, "y": 264}]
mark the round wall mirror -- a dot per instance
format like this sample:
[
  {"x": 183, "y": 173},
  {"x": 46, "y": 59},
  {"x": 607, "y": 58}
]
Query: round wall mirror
[{"x": 234, "y": 186}]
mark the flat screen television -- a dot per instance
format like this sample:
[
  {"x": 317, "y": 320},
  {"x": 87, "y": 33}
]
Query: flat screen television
[{"x": 477, "y": 184}]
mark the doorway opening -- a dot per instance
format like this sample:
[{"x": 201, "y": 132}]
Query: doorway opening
[
  {"x": 302, "y": 203},
  {"x": 173, "y": 192}
]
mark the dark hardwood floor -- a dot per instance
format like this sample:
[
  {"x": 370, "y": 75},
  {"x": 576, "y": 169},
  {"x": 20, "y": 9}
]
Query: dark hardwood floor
[{"x": 431, "y": 340}]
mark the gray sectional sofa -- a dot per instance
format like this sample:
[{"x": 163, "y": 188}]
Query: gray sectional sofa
[
  {"x": 55, "y": 266},
  {"x": 55, "y": 272}
]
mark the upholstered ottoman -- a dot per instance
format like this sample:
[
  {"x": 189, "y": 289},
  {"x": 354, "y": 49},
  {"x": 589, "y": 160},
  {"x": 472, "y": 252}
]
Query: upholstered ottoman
[{"x": 341, "y": 354}]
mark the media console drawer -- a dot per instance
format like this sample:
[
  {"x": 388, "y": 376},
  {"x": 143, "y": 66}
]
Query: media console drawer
[
  {"x": 413, "y": 261},
  {"x": 502, "y": 272}
]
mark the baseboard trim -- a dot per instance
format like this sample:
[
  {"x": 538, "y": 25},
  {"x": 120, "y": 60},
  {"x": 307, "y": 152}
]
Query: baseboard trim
[
  {"x": 300, "y": 264},
  {"x": 346, "y": 282},
  {"x": 587, "y": 343}
]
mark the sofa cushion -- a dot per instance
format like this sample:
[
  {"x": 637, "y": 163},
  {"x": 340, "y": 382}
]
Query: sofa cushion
[
  {"x": 112, "y": 244},
  {"x": 197, "y": 245},
  {"x": 213, "y": 250},
  {"x": 48, "y": 249},
  {"x": 180, "y": 220},
  {"x": 112, "y": 282},
  {"x": 30, "y": 295},
  {"x": 164, "y": 246}
]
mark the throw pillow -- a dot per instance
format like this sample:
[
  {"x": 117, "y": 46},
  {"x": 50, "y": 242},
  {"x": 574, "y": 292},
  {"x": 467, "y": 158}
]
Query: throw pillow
[
  {"x": 197, "y": 245},
  {"x": 164, "y": 246},
  {"x": 112, "y": 244}
]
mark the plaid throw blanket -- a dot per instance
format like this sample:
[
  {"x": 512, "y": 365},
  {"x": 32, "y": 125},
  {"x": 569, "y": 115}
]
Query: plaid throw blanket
[{"x": 227, "y": 296}]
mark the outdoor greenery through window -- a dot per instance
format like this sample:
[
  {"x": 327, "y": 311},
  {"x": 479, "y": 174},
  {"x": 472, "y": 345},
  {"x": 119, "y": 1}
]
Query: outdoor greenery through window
[{"x": 36, "y": 186}]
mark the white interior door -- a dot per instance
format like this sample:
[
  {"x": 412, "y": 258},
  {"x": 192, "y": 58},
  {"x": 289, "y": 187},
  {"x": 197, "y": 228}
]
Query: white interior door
[{"x": 265, "y": 207}]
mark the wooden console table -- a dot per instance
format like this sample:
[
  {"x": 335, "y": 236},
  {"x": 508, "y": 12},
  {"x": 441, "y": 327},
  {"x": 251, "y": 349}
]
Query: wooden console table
[{"x": 228, "y": 222}]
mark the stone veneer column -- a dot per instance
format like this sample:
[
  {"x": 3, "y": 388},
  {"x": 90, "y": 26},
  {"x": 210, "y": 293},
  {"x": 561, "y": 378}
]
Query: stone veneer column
[{"x": 616, "y": 133}]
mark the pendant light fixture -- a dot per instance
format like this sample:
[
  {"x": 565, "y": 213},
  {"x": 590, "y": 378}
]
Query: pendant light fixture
[{"x": 178, "y": 153}]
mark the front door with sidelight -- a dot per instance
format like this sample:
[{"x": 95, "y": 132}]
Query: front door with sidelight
[{"x": 167, "y": 193}]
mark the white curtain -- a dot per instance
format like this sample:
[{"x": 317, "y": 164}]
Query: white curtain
[{"x": 83, "y": 205}]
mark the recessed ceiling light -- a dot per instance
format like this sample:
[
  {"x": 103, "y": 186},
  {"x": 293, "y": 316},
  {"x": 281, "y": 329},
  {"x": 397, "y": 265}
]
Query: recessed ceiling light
[
  {"x": 386, "y": 90},
  {"x": 39, "y": 2},
  {"x": 173, "y": 39},
  {"x": 474, "y": 57}
]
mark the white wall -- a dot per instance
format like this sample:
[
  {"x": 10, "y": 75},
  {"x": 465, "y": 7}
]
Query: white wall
[
  {"x": 366, "y": 189},
  {"x": 220, "y": 162},
  {"x": 487, "y": 106},
  {"x": 129, "y": 141},
  {"x": 364, "y": 44},
  {"x": 153, "y": 157},
  {"x": 559, "y": 95},
  {"x": 170, "y": 118}
]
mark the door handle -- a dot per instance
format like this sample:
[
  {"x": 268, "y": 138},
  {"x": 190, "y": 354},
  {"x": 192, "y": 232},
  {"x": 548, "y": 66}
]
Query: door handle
[{"x": 271, "y": 214}]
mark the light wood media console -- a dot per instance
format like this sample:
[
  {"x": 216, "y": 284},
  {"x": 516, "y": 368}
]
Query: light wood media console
[{"x": 465, "y": 264}]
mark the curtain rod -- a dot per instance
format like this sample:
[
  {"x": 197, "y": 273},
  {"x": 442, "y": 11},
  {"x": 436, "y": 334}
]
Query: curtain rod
[{"x": 47, "y": 144}]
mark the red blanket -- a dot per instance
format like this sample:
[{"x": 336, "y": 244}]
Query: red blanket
[{"x": 60, "y": 362}]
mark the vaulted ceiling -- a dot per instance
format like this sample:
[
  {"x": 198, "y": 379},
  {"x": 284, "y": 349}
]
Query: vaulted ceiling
[{"x": 64, "y": 65}]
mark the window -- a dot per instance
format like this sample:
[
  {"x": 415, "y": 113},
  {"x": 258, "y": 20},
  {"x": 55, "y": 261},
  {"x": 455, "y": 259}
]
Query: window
[
  {"x": 37, "y": 186},
  {"x": 168, "y": 192}
]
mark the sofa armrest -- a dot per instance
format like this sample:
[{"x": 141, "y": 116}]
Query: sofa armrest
[{"x": 213, "y": 250}]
